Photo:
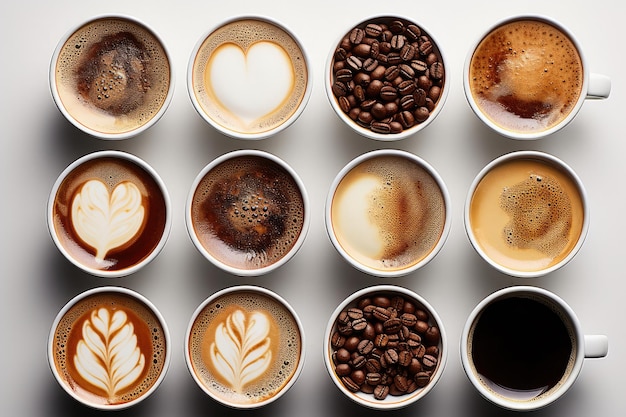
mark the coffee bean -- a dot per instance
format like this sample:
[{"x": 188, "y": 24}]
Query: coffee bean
[
  {"x": 413, "y": 32},
  {"x": 362, "y": 50},
  {"x": 404, "y": 358},
  {"x": 343, "y": 369},
  {"x": 392, "y": 325},
  {"x": 373, "y": 378},
  {"x": 351, "y": 343},
  {"x": 358, "y": 377},
  {"x": 432, "y": 335},
  {"x": 388, "y": 93},
  {"x": 359, "y": 325},
  {"x": 337, "y": 340},
  {"x": 381, "y": 392},
  {"x": 365, "y": 347},
  {"x": 421, "y": 114},
  {"x": 381, "y": 314},
  {"x": 350, "y": 384},
  {"x": 436, "y": 70},
  {"x": 342, "y": 355},
  {"x": 425, "y": 48},
  {"x": 380, "y": 127},
  {"x": 359, "y": 361},
  {"x": 401, "y": 383},
  {"x": 373, "y": 365},
  {"x": 429, "y": 362},
  {"x": 356, "y": 36},
  {"x": 354, "y": 62},
  {"x": 422, "y": 379},
  {"x": 396, "y": 26},
  {"x": 370, "y": 64},
  {"x": 421, "y": 326},
  {"x": 373, "y": 30},
  {"x": 370, "y": 332}
]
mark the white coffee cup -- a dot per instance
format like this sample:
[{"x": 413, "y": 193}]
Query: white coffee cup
[
  {"x": 396, "y": 400},
  {"x": 488, "y": 224},
  {"x": 274, "y": 229},
  {"x": 442, "y": 83},
  {"x": 351, "y": 207},
  {"x": 583, "y": 346},
  {"x": 109, "y": 213},
  {"x": 104, "y": 322},
  {"x": 593, "y": 86},
  {"x": 121, "y": 109},
  {"x": 249, "y": 77},
  {"x": 245, "y": 346}
]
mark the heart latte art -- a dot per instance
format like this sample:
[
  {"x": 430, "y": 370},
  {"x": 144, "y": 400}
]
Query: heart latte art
[
  {"x": 106, "y": 222},
  {"x": 264, "y": 69}
]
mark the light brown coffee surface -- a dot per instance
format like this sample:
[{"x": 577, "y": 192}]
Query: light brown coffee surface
[
  {"x": 271, "y": 80},
  {"x": 245, "y": 347},
  {"x": 109, "y": 214},
  {"x": 388, "y": 213},
  {"x": 112, "y": 75},
  {"x": 109, "y": 349},
  {"x": 526, "y": 76},
  {"x": 526, "y": 215}
]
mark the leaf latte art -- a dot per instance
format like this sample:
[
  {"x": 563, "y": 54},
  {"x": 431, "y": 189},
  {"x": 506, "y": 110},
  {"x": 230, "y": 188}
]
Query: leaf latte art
[
  {"x": 104, "y": 221},
  {"x": 241, "y": 350},
  {"x": 108, "y": 356}
]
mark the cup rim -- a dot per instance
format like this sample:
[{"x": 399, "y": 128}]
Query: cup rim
[
  {"x": 391, "y": 403},
  {"x": 525, "y": 135},
  {"x": 418, "y": 161},
  {"x": 534, "y": 155},
  {"x": 305, "y": 223},
  {"x": 390, "y": 137},
  {"x": 143, "y": 300},
  {"x": 142, "y": 165},
  {"x": 230, "y": 132},
  {"x": 563, "y": 308},
  {"x": 86, "y": 129},
  {"x": 268, "y": 293}
]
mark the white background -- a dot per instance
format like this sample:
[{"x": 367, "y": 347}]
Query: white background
[{"x": 38, "y": 143}]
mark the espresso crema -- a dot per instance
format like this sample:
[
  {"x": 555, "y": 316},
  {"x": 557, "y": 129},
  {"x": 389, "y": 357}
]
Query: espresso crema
[
  {"x": 388, "y": 213},
  {"x": 109, "y": 349},
  {"x": 526, "y": 214},
  {"x": 112, "y": 75},
  {"x": 526, "y": 76},
  {"x": 244, "y": 347},
  {"x": 249, "y": 76}
]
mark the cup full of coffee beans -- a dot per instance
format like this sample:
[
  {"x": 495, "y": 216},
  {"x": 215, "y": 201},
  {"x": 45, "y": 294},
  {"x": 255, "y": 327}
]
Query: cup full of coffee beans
[
  {"x": 385, "y": 347},
  {"x": 386, "y": 78}
]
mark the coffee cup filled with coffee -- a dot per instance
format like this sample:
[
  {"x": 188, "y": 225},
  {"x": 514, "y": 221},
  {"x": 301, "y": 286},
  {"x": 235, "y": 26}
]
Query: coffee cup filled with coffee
[
  {"x": 245, "y": 346},
  {"x": 109, "y": 348},
  {"x": 109, "y": 213},
  {"x": 388, "y": 213},
  {"x": 385, "y": 347},
  {"x": 112, "y": 77},
  {"x": 248, "y": 212},
  {"x": 386, "y": 78},
  {"x": 526, "y": 77},
  {"x": 526, "y": 213},
  {"x": 522, "y": 348},
  {"x": 249, "y": 77}
]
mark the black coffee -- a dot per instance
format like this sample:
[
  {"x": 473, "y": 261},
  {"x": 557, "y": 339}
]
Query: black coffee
[{"x": 521, "y": 348}]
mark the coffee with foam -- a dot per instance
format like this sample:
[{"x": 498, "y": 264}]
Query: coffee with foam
[
  {"x": 108, "y": 213},
  {"x": 109, "y": 348},
  {"x": 526, "y": 76},
  {"x": 247, "y": 212},
  {"x": 249, "y": 77},
  {"x": 527, "y": 214},
  {"x": 244, "y": 347},
  {"x": 112, "y": 76},
  {"x": 388, "y": 213}
]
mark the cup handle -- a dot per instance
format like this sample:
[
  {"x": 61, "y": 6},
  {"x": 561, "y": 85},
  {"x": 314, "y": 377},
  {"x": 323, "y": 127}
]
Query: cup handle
[
  {"x": 596, "y": 346},
  {"x": 599, "y": 86}
]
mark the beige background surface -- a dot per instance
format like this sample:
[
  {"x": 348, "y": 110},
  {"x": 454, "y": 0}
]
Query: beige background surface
[{"x": 38, "y": 143}]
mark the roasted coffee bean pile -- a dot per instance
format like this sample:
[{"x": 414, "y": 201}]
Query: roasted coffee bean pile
[
  {"x": 387, "y": 75},
  {"x": 385, "y": 345}
]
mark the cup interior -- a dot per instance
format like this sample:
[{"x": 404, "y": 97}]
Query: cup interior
[
  {"x": 338, "y": 338},
  {"x": 355, "y": 220},
  {"x": 404, "y": 51},
  {"x": 473, "y": 348},
  {"x": 511, "y": 115},
  {"x": 260, "y": 316},
  {"x": 244, "y": 55},
  {"x": 76, "y": 360},
  {"x": 111, "y": 109},
  {"x": 109, "y": 213},
  {"x": 526, "y": 213}
]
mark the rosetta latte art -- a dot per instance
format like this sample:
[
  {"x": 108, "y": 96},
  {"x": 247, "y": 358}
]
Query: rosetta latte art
[
  {"x": 104, "y": 221},
  {"x": 241, "y": 351},
  {"x": 108, "y": 356}
]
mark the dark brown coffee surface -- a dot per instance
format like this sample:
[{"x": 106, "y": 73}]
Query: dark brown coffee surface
[
  {"x": 113, "y": 75},
  {"x": 77, "y": 332},
  {"x": 111, "y": 172},
  {"x": 248, "y": 212},
  {"x": 521, "y": 348}
]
